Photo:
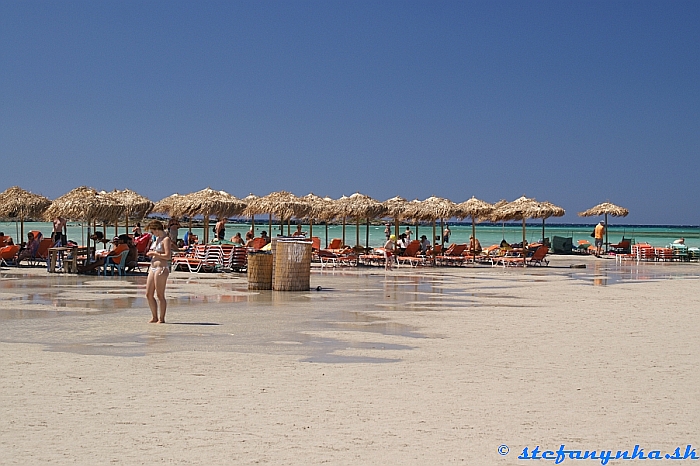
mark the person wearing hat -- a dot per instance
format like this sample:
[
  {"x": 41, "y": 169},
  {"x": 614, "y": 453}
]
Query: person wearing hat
[
  {"x": 598, "y": 234},
  {"x": 119, "y": 247},
  {"x": 389, "y": 249}
]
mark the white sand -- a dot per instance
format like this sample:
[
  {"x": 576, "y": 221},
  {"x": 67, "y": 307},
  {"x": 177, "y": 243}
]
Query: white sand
[{"x": 421, "y": 367}]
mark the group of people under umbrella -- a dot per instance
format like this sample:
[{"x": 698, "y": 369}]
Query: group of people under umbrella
[{"x": 119, "y": 207}]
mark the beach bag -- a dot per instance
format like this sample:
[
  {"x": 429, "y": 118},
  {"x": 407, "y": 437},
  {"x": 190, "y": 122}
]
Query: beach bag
[{"x": 593, "y": 235}]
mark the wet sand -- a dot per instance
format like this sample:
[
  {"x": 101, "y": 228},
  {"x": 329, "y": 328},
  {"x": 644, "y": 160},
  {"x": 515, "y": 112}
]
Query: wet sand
[{"x": 417, "y": 366}]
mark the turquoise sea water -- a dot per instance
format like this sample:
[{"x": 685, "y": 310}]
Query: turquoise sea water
[{"x": 656, "y": 235}]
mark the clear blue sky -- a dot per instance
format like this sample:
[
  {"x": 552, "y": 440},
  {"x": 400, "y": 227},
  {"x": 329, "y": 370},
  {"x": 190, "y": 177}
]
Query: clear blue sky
[{"x": 572, "y": 102}]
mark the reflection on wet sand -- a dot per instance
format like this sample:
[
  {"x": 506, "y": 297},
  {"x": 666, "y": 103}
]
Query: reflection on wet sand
[{"x": 350, "y": 319}]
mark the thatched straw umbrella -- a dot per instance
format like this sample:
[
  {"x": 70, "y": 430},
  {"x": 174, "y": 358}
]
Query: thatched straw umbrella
[
  {"x": 282, "y": 204},
  {"x": 519, "y": 209},
  {"x": 172, "y": 205},
  {"x": 359, "y": 206},
  {"x": 15, "y": 202},
  {"x": 474, "y": 208},
  {"x": 247, "y": 200},
  {"x": 606, "y": 208},
  {"x": 432, "y": 209},
  {"x": 395, "y": 208},
  {"x": 319, "y": 208},
  {"x": 135, "y": 205},
  {"x": 208, "y": 202},
  {"x": 547, "y": 209},
  {"x": 85, "y": 204}
]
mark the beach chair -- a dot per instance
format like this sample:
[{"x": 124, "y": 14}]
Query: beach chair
[
  {"x": 539, "y": 256},
  {"x": 42, "y": 253},
  {"x": 410, "y": 256},
  {"x": 694, "y": 254},
  {"x": 315, "y": 243},
  {"x": 623, "y": 247},
  {"x": 143, "y": 244},
  {"x": 454, "y": 255},
  {"x": 112, "y": 264},
  {"x": 680, "y": 252},
  {"x": 238, "y": 259},
  {"x": 663, "y": 254},
  {"x": 336, "y": 244},
  {"x": 8, "y": 254},
  {"x": 259, "y": 243},
  {"x": 643, "y": 252}
]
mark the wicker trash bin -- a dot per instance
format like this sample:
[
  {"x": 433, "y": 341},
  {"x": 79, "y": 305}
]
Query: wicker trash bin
[
  {"x": 260, "y": 270},
  {"x": 292, "y": 269}
]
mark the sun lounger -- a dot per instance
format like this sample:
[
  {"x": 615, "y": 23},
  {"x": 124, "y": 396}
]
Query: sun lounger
[
  {"x": 539, "y": 257},
  {"x": 453, "y": 255},
  {"x": 623, "y": 247},
  {"x": 8, "y": 254}
]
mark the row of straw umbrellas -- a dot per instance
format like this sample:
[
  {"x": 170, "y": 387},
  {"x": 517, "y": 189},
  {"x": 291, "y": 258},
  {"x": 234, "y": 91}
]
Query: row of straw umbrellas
[{"x": 115, "y": 207}]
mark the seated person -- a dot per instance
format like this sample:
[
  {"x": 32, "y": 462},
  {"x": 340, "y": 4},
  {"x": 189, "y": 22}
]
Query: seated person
[
  {"x": 679, "y": 241},
  {"x": 249, "y": 238},
  {"x": 263, "y": 234},
  {"x": 237, "y": 240},
  {"x": 119, "y": 247},
  {"x": 424, "y": 245},
  {"x": 190, "y": 239},
  {"x": 136, "y": 231},
  {"x": 505, "y": 246},
  {"x": 29, "y": 250},
  {"x": 99, "y": 237},
  {"x": 132, "y": 259},
  {"x": 401, "y": 244},
  {"x": 474, "y": 245}
]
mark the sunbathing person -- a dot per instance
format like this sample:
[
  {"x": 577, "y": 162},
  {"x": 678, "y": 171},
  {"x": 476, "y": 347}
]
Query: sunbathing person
[
  {"x": 119, "y": 247},
  {"x": 30, "y": 249},
  {"x": 249, "y": 238},
  {"x": 237, "y": 240},
  {"x": 474, "y": 245}
]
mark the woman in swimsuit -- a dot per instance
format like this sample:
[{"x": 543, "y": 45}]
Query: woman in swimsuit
[{"x": 159, "y": 271}]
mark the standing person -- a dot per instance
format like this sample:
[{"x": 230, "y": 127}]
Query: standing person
[
  {"x": 173, "y": 226},
  {"x": 220, "y": 229},
  {"x": 59, "y": 224},
  {"x": 136, "y": 231},
  {"x": 299, "y": 232},
  {"x": 159, "y": 271},
  {"x": 389, "y": 249},
  {"x": 599, "y": 233},
  {"x": 408, "y": 234},
  {"x": 446, "y": 234},
  {"x": 387, "y": 231}
]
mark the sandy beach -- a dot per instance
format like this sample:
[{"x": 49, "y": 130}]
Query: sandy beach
[{"x": 414, "y": 366}]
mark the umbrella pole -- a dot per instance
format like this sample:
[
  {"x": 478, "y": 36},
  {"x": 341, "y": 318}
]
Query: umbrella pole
[
  {"x": 433, "y": 232},
  {"x": 442, "y": 235},
  {"x": 367, "y": 235},
  {"x": 543, "y": 230},
  {"x": 21, "y": 221},
  {"x": 523, "y": 233},
  {"x": 343, "y": 231},
  {"x": 189, "y": 226},
  {"x": 606, "y": 233},
  {"x": 281, "y": 226},
  {"x": 116, "y": 228},
  {"x": 289, "y": 228},
  {"x": 473, "y": 252},
  {"x": 252, "y": 224},
  {"x": 326, "y": 234},
  {"x": 311, "y": 227},
  {"x": 417, "y": 237},
  {"x": 270, "y": 225},
  {"x": 396, "y": 228},
  {"x": 206, "y": 229},
  {"x": 126, "y": 227},
  {"x": 357, "y": 231}
]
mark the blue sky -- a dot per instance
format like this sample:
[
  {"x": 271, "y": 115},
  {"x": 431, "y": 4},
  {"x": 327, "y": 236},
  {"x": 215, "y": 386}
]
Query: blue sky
[{"x": 572, "y": 102}]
